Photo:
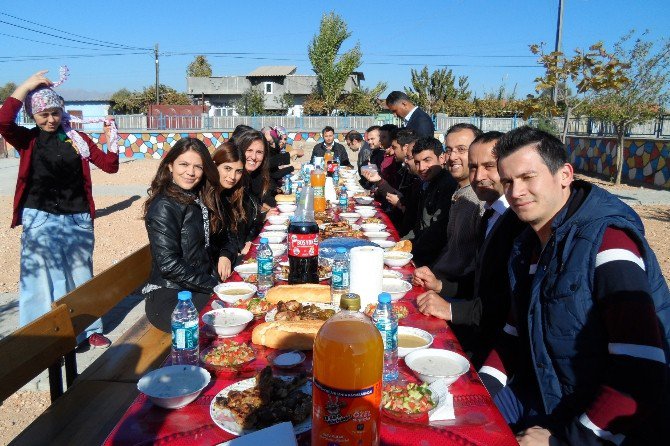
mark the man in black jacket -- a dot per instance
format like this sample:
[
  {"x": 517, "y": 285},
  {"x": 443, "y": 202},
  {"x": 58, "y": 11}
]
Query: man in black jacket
[
  {"x": 478, "y": 320},
  {"x": 412, "y": 116},
  {"x": 329, "y": 144}
]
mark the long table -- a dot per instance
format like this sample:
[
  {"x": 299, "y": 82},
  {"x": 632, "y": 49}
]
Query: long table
[{"x": 477, "y": 422}]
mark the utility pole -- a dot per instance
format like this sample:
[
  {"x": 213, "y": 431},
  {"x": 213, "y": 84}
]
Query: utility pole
[
  {"x": 559, "y": 38},
  {"x": 158, "y": 99}
]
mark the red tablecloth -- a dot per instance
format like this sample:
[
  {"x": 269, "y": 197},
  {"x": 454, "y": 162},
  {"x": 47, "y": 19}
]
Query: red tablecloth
[{"x": 478, "y": 422}]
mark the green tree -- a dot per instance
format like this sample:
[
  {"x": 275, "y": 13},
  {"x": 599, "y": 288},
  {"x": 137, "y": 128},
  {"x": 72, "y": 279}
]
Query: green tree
[
  {"x": 7, "y": 90},
  {"x": 432, "y": 92},
  {"x": 589, "y": 71},
  {"x": 200, "y": 67},
  {"x": 286, "y": 101},
  {"x": 125, "y": 101},
  {"x": 332, "y": 71},
  {"x": 362, "y": 101},
  {"x": 647, "y": 66},
  {"x": 251, "y": 103}
]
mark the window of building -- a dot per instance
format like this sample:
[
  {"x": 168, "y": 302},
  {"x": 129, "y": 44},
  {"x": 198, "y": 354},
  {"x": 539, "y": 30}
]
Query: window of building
[{"x": 268, "y": 87}]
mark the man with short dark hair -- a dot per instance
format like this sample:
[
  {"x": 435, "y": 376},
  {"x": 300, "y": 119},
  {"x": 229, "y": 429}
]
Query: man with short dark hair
[
  {"x": 429, "y": 234},
  {"x": 586, "y": 344},
  {"x": 412, "y": 116},
  {"x": 356, "y": 143},
  {"x": 330, "y": 145}
]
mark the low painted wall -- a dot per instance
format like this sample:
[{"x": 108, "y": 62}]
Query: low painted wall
[{"x": 646, "y": 160}]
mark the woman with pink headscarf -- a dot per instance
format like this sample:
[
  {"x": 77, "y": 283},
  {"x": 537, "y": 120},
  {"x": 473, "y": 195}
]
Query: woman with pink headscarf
[{"x": 53, "y": 199}]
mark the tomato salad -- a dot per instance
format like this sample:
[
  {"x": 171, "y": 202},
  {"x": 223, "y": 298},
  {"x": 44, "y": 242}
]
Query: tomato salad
[
  {"x": 409, "y": 399},
  {"x": 229, "y": 354}
]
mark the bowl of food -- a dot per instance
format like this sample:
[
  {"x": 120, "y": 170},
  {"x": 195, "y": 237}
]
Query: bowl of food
[
  {"x": 230, "y": 292},
  {"x": 286, "y": 207},
  {"x": 432, "y": 364},
  {"x": 273, "y": 236},
  {"x": 227, "y": 322},
  {"x": 373, "y": 227},
  {"x": 276, "y": 228},
  {"x": 246, "y": 269},
  {"x": 280, "y": 219},
  {"x": 396, "y": 259},
  {"x": 366, "y": 211},
  {"x": 411, "y": 339},
  {"x": 364, "y": 200},
  {"x": 397, "y": 288},
  {"x": 386, "y": 244},
  {"x": 373, "y": 236},
  {"x": 350, "y": 217},
  {"x": 278, "y": 249},
  {"x": 174, "y": 386},
  {"x": 228, "y": 355},
  {"x": 258, "y": 307},
  {"x": 407, "y": 401}
]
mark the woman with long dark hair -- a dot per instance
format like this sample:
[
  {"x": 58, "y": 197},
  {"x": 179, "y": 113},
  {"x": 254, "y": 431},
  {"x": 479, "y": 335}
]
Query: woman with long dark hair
[
  {"x": 180, "y": 215},
  {"x": 255, "y": 148}
]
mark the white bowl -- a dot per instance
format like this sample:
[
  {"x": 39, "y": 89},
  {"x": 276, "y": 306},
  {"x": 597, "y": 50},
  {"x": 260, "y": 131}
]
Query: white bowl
[
  {"x": 396, "y": 259},
  {"x": 373, "y": 227},
  {"x": 397, "y": 288},
  {"x": 364, "y": 200},
  {"x": 391, "y": 274},
  {"x": 286, "y": 207},
  {"x": 444, "y": 365},
  {"x": 227, "y": 322},
  {"x": 351, "y": 192},
  {"x": 174, "y": 386},
  {"x": 373, "y": 236},
  {"x": 404, "y": 351},
  {"x": 273, "y": 236},
  {"x": 367, "y": 212},
  {"x": 276, "y": 228},
  {"x": 246, "y": 269},
  {"x": 287, "y": 214},
  {"x": 386, "y": 244},
  {"x": 351, "y": 217},
  {"x": 280, "y": 219},
  {"x": 222, "y": 288},
  {"x": 278, "y": 249}
]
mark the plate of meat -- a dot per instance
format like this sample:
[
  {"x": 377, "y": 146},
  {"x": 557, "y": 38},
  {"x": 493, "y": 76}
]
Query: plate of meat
[
  {"x": 264, "y": 400},
  {"x": 295, "y": 311}
]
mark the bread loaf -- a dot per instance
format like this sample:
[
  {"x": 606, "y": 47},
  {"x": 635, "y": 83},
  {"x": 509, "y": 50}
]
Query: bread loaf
[
  {"x": 292, "y": 335},
  {"x": 307, "y": 292},
  {"x": 285, "y": 198},
  {"x": 403, "y": 245}
]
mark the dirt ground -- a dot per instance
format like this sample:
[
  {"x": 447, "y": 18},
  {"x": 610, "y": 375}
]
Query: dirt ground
[{"x": 119, "y": 231}]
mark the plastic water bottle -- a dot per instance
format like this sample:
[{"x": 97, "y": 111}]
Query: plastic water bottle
[
  {"x": 336, "y": 177},
  {"x": 387, "y": 324},
  {"x": 265, "y": 266},
  {"x": 339, "y": 283},
  {"x": 343, "y": 200},
  {"x": 287, "y": 184},
  {"x": 185, "y": 332}
]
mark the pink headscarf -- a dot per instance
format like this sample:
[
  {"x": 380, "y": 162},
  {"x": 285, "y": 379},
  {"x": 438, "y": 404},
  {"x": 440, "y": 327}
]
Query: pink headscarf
[{"x": 44, "y": 98}]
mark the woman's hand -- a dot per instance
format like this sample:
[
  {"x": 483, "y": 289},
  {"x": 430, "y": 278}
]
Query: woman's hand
[
  {"x": 270, "y": 211},
  {"x": 224, "y": 267},
  {"x": 245, "y": 250},
  {"x": 30, "y": 84}
]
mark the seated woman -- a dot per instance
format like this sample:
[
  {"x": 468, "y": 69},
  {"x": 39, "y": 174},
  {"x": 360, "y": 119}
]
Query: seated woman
[
  {"x": 180, "y": 214},
  {"x": 255, "y": 148},
  {"x": 240, "y": 209}
]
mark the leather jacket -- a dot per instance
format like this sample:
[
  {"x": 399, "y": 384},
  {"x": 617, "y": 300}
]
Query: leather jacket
[{"x": 177, "y": 241}]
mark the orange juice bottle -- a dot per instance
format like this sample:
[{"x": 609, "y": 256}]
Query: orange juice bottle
[
  {"x": 347, "y": 387},
  {"x": 318, "y": 182}
]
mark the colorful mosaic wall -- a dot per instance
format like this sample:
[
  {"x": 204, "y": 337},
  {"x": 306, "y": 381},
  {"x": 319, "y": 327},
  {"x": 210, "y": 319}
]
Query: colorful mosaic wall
[{"x": 646, "y": 161}]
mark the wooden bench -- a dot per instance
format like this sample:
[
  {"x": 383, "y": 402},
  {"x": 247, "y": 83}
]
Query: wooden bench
[{"x": 101, "y": 394}]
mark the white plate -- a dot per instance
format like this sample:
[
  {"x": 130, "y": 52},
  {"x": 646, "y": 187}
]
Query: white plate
[
  {"x": 226, "y": 421},
  {"x": 279, "y": 276},
  {"x": 270, "y": 315},
  {"x": 390, "y": 274}
]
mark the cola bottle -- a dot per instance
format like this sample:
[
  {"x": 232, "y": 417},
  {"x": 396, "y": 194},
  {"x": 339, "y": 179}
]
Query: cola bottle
[{"x": 303, "y": 243}]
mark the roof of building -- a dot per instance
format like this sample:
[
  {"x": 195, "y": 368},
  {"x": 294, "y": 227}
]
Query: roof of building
[
  {"x": 79, "y": 95},
  {"x": 273, "y": 70}
]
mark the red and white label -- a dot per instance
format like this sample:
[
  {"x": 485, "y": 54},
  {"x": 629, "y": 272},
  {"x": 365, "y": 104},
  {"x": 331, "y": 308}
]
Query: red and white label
[{"x": 303, "y": 245}]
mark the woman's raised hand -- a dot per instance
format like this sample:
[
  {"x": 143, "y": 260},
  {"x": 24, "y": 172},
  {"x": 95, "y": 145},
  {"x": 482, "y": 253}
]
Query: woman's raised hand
[{"x": 30, "y": 84}]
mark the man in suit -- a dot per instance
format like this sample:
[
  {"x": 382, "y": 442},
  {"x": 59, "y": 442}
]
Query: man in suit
[
  {"x": 477, "y": 321},
  {"x": 330, "y": 145},
  {"x": 412, "y": 116}
]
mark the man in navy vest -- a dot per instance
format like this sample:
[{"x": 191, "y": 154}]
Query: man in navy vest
[{"x": 583, "y": 356}]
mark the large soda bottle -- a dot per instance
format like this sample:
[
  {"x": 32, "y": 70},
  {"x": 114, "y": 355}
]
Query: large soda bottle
[
  {"x": 185, "y": 334},
  {"x": 347, "y": 385},
  {"x": 303, "y": 242},
  {"x": 318, "y": 182}
]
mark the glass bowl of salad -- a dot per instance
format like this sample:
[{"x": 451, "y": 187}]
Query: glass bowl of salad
[
  {"x": 407, "y": 401},
  {"x": 227, "y": 355}
]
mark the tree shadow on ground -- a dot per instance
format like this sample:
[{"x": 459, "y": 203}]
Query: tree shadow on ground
[{"x": 121, "y": 205}]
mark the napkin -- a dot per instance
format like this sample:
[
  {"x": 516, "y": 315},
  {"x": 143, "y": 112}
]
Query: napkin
[
  {"x": 278, "y": 435},
  {"x": 366, "y": 270},
  {"x": 445, "y": 402},
  {"x": 331, "y": 195}
]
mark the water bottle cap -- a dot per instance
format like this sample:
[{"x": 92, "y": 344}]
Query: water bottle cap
[
  {"x": 184, "y": 295},
  {"x": 384, "y": 298},
  {"x": 341, "y": 250},
  {"x": 264, "y": 240}
]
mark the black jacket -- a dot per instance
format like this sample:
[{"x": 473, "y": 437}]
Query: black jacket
[
  {"x": 338, "y": 150},
  {"x": 179, "y": 259},
  {"x": 477, "y": 321},
  {"x": 255, "y": 187},
  {"x": 230, "y": 243},
  {"x": 421, "y": 123}
]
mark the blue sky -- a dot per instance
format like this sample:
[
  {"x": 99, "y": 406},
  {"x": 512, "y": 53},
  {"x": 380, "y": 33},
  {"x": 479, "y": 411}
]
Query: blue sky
[{"x": 485, "y": 40}]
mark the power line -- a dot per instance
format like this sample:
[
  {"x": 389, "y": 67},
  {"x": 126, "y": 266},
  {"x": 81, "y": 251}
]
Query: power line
[
  {"x": 72, "y": 34},
  {"x": 50, "y": 43},
  {"x": 61, "y": 56}
]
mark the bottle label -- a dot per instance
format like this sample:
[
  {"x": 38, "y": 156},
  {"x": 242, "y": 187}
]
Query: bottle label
[
  {"x": 389, "y": 332},
  {"x": 303, "y": 245},
  {"x": 185, "y": 335},
  {"x": 350, "y": 417},
  {"x": 340, "y": 278},
  {"x": 319, "y": 192},
  {"x": 264, "y": 266}
]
